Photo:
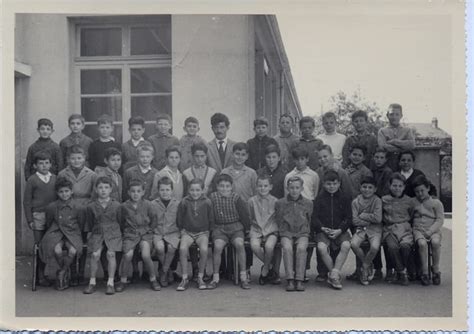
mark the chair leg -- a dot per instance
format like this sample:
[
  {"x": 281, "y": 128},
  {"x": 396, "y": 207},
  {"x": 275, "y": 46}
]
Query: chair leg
[
  {"x": 430, "y": 259},
  {"x": 35, "y": 267},
  {"x": 236, "y": 265}
]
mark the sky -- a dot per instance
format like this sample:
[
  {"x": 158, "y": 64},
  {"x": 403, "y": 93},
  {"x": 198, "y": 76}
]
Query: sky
[{"x": 388, "y": 58}]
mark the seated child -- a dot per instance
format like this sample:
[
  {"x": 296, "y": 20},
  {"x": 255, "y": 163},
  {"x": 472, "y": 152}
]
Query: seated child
[
  {"x": 293, "y": 216},
  {"x": 104, "y": 218},
  {"x": 231, "y": 222},
  {"x": 331, "y": 137},
  {"x": 330, "y": 221},
  {"x": 258, "y": 144},
  {"x": 76, "y": 124},
  {"x": 263, "y": 226},
  {"x": 381, "y": 172},
  {"x": 276, "y": 170},
  {"x": 367, "y": 220},
  {"x": 191, "y": 138},
  {"x": 136, "y": 128},
  {"x": 199, "y": 169},
  {"x": 142, "y": 171},
  {"x": 138, "y": 224},
  {"x": 97, "y": 147},
  {"x": 64, "y": 218},
  {"x": 195, "y": 219},
  {"x": 113, "y": 161},
  {"x": 428, "y": 218},
  {"x": 166, "y": 236},
  {"x": 171, "y": 171},
  {"x": 310, "y": 177},
  {"x": 308, "y": 142},
  {"x": 162, "y": 140},
  {"x": 356, "y": 168},
  {"x": 397, "y": 231},
  {"x": 39, "y": 193}
]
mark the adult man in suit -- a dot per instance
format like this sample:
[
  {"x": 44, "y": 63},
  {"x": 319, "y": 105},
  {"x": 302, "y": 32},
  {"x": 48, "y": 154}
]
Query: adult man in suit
[{"x": 219, "y": 154}]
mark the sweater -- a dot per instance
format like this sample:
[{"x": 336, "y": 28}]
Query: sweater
[
  {"x": 97, "y": 152},
  {"x": 185, "y": 144},
  {"x": 312, "y": 145},
  {"x": 75, "y": 139},
  {"x": 366, "y": 139},
  {"x": 357, "y": 174},
  {"x": 160, "y": 143},
  {"x": 293, "y": 217},
  {"x": 332, "y": 211},
  {"x": 428, "y": 216},
  {"x": 286, "y": 143},
  {"x": 38, "y": 195},
  {"x": 257, "y": 147},
  {"x": 195, "y": 215},
  {"x": 47, "y": 145},
  {"x": 367, "y": 213},
  {"x": 130, "y": 153},
  {"x": 382, "y": 180}
]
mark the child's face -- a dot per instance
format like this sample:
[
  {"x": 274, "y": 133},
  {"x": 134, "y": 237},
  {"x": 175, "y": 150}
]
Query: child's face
[
  {"x": 272, "y": 159},
  {"x": 301, "y": 162},
  {"x": 422, "y": 193},
  {"x": 136, "y": 193},
  {"x": 165, "y": 191},
  {"x": 307, "y": 129},
  {"x": 286, "y": 124},
  {"x": 163, "y": 126},
  {"x": 64, "y": 193},
  {"x": 264, "y": 187},
  {"x": 240, "y": 156},
  {"x": 77, "y": 160},
  {"x": 173, "y": 159},
  {"x": 367, "y": 190},
  {"x": 103, "y": 190},
  {"x": 294, "y": 189},
  {"x": 224, "y": 188},
  {"x": 324, "y": 157},
  {"x": 331, "y": 186},
  {"x": 360, "y": 124},
  {"x": 145, "y": 158},
  {"x": 42, "y": 166},
  {"x": 406, "y": 162},
  {"x": 105, "y": 130},
  {"x": 397, "y": 187},
  {"x": 220, "y": 130},
  {"x": 357, "y": 157},
  {"x": 394, "y": 116},
  {"x": 380, "y": 158},
  {"x": 114, "y": 162},
  {"x": 76, "y": 125},
  {"x": 45, "y": 131},
  {"x": 329, "y": 124},
  {"x": 136, "y": 131},
  {"x": 261, "y": 130},
  {"x": 200, "y": 158},
  {"x": 191, "y": 128},
  {"x": 195, "y": 191}
]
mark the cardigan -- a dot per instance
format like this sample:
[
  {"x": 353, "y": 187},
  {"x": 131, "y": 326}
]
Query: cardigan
[{"x": 38, "y": 195}]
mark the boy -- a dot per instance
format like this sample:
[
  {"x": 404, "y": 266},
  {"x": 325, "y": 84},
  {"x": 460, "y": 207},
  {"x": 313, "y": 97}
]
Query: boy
[
  {"x": 44, "y": 143},
  {"x": 331, "y": 220},
  {"x": 258, "y": 144},
  {"x": 136, "y": 128},
  {"x": 361, "y": 137},
  {"x": 97, "y": 147},
  {"x": 76, "y": 124},
  {"x": 286, "y": 139},
  {"x": 263, "y": 226},
  {"x": 293, "y": 215},
  {"x": 162, "y": 140},
  {"x": 219, "y": 155},
  {"x": 171, "y": 171},
  {"x": 104, "y": 219},
  {"x": 395, "y": 138},
  {"x": 39, "y": 193},
  {"x": 142, "y": 171},
  {"x": 381, "y": 172},
  {"x": 113, "y": 161},
  {"x": 199, "y": 169},
  {"x": 367, "y": 220},
  {"x": 195, "y": 219},
  {"x": 275, "y": 169},
  {"x": 308, "y": 142},
  {"x": 310, "y": 177},
  {"x": 191, "y": 127},
  {"x": 331, "y": 137},
  {"x": 356, "y": 168},
  {"x": 428, "y": 218},
  {"x": 231, "y": 221}
]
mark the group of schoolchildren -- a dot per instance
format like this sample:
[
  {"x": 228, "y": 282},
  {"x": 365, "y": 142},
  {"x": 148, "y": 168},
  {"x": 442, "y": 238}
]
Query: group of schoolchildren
[{"x": 163, "y": 195}]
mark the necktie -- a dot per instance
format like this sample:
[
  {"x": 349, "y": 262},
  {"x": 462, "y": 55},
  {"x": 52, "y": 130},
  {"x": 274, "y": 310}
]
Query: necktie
[{"x": 221, "y": 152}]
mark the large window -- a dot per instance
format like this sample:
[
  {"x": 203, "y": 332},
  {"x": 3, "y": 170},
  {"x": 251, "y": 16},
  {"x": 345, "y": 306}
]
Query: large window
[{"x": 123, "y": 69}]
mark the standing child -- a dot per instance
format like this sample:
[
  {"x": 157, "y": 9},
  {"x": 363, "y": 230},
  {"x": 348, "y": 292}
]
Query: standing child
[
  {"x": 76, "y": 124},
  {"x": 331, "y": 137},
  {"x": 406, "y": 164},
  {"x": 382, "y": 172},
  {"x": 97, "y": 147},
  {"x": 327, "y": 162},
  {"x": 276, "y": 170},
  {"x": 361, "y": 137},
  {"x": 258, "y": 144},
  {"x": 308, "y": 142},
  {"x": 138, "y": 223},
  {"x": 136, "y": 128},
  {"x": 113, "y": 161},
  {"x": 39, "y": 193},
  {"x": 219, "y": 155},
  {"x": 44, "y": 143},
  {"x": 171, "y": 171},
  {"x": 191, "y": 127},
  {"x": 142, "y": 171},
  {"x": 293, "y": 215},
  {"x": 195, "y": 219},
  {"x": 199, "y": 169},
  {"x": 286, "y": 139},
  {"x": 356, "y": 168},
  {"x": 103, "y": 215},
  {"x": 310, "y": 177},
  {"x": 162, "y": 140}
]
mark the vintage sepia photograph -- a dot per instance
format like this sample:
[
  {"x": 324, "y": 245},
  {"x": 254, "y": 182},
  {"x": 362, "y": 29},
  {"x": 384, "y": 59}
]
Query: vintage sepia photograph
[{"x": 280, "y": 163}]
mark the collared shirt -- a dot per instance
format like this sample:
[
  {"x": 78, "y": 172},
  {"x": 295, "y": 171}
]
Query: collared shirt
[
  {"x": 244, "y": 181},
  {"x": 138, "y": 220},
  {"x": 144, "y": 170},
  {"x": 310, "y": 182},
  {"x": 106, "y": 140},
  {"x": 294, "y": 216},
  {"x": 262, "y": 214},
  {"x": 166, "y": 216},
  {"x": 224, "y": 143},
  {"x": 204, "y": 173},
  {"x": 44, "y": 177},
  {"x": 407, "y": 174},
  {"x": 136, "y": 142}
]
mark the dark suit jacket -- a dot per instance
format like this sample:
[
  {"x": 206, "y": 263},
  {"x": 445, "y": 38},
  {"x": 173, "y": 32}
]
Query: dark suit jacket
[{"x": 213, "y": 159}]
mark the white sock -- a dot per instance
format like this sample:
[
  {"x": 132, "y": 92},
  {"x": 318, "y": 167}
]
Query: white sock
[
  {"x": 92, "y": 281},
  {"x": 215, "y": 277},
  {"x": 243, "y": 275},
  {"x": 110, "y": 281},
  {"x": 185, "y": 276}
]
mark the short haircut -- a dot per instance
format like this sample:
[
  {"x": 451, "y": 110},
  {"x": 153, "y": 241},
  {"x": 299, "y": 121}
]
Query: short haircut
[
  {"x": 331, "y": 175},
  {"x": 395, "y": 106},
  {"x": 63, "y": 182},
  {"x": 240, "y": 147},
  {"x": 191, "y": 119},
  {"x": 224, "y": 178},
  {"x": 165, "y": 117},
  {"x": 307, "y": 119},
  {"x": 171, "y": 149},
  {"x": 76, "y": 116},
  {"x": 260, "y": 121},
  {"x": 165, "y": 181},
  {"x": 45, "y": 121},
  {"x": 264, "y": 176},
  {"x": 41, "y": 155},
  {"x": 406, "y": 152},
  {"x": 294, "y": 179},
  {"x": 397, "y": 176},
  {"x": 359, "y": 113},
  {"x": 199, "y": 147},
  {"x": 76, "y": 149},
  {"x": 368, "y": 180},
  {"x": 286, "y": 115},
  {"x": 272, "y": 149},
  {"x": 197, "y": 181},
  {"x": 145, "y": 148},
  {"x": 359, "y": 147},
  {"x": 299, "y": 152},
  {"x": 329, "y": 114},
  {"x": 136, "y": 183},
  {"x": 105, "y": 119},
  {"x": 219, "y": 118},
  {"x": 104, "y": 180},
  {"x": 325, "y": 147},
  {"x": 421, "y": 180},
  {"x": 381, "y": 150},
  {"x": 137, "y": 120},
  {"x": 110, "y": 152}
]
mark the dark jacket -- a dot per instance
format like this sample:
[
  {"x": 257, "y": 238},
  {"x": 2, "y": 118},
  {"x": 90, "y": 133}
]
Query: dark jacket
[
  {"x": 257, "y": 147},
  {"x": 332, "y": 211},
  {"x": 277, "y": 179},
  {"x": 195, "y": 215}
]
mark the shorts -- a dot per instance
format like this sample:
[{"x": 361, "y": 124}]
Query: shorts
[
  {"x": 297, "y": 239},
  {"x": 364, "y": 234},
  {"x": 334, "y": 244},
  {"x": 259, "y": 235},
  {"x": 417, "y": 235},
  {"x": 171, "y": 239},
  {"x": 39, "y": 221},
  {"x": 228, "y": 232},
  {"x": 195, "y": 236}
]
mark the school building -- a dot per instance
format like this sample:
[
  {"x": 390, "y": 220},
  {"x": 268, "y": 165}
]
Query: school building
[{"x": 181, "y": 65}]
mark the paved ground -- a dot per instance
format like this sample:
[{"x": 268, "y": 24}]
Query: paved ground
[{"x": 377, "y": 300}]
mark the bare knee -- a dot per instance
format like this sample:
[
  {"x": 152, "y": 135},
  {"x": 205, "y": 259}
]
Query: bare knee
[
  {"x": 345, "y": 246},
  {"x": 110, "y": 255},
  {"x": 322, "y": 248}
]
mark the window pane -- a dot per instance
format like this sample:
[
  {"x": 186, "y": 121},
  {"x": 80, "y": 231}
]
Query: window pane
[
  {"x": 149, "y": 107},
  {"x": 101, "y": 81},
  {"x": 151, "y": 80},
  {"x": 92, "y": 131},
  {"x": 93, "y": 108},
  {"x": 151, "y": 40},
  {"x": 101, "y": 42}
]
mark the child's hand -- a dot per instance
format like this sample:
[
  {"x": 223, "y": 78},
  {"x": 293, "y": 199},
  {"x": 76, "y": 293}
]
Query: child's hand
[{"x": 336, "y": 233}]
